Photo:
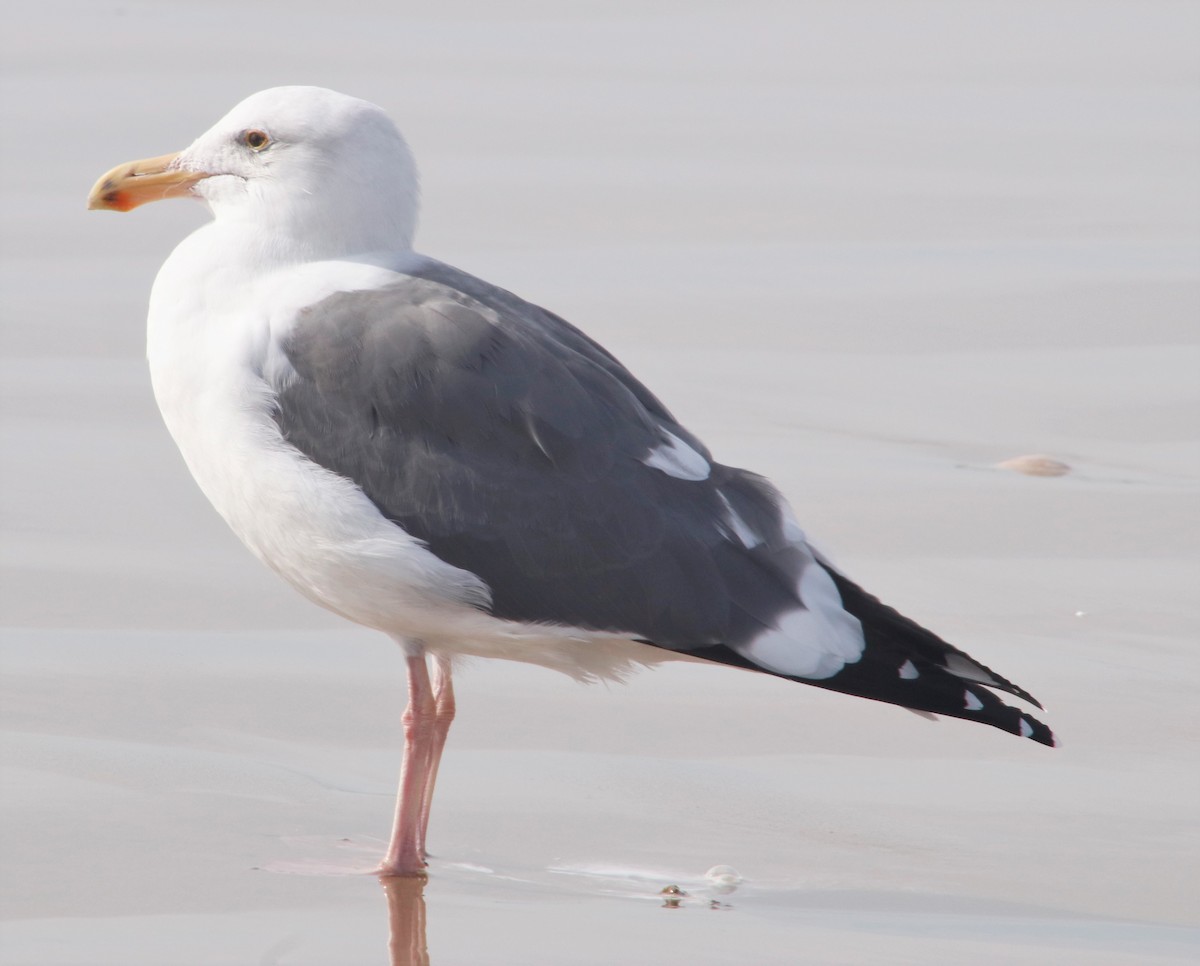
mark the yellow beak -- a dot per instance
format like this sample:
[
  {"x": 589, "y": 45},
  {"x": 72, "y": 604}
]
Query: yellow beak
[{"x": 136, "y": 182}]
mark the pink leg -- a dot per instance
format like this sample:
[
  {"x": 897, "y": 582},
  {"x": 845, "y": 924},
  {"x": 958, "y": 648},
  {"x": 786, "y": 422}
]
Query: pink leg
[
  {"x": 443, "y": 700},
  {"x": 406, "y": 851}
]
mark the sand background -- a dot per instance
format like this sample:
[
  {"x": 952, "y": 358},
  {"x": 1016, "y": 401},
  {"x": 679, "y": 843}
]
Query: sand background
[{"x": 868, "y": 249}]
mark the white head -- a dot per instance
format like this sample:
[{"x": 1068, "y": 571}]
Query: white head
[{"x": 310, "y": 172}]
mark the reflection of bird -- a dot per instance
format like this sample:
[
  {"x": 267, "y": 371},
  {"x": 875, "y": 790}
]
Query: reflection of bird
[
  {"x": 429, "y": 455},
  {"x": 406, "y": 920}
]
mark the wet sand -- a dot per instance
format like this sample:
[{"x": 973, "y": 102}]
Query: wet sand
[{"x": 871, "y": 255}]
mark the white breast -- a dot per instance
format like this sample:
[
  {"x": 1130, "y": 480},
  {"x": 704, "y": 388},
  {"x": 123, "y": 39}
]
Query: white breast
[{"x": 209, "y": 344}]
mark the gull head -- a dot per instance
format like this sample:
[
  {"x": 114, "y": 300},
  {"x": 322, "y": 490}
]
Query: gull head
[{"x": 300, "y": 168}]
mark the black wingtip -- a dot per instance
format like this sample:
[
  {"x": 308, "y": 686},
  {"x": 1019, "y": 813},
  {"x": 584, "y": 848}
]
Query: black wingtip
[
  {"x": 1030, "y": 727},
  {"x": 1001, "y": 683},
  {"x": 935, "y": 675}
]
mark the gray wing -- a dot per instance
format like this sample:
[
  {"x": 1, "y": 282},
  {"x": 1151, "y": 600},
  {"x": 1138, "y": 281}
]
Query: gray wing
[{"x": 520, "y": 450}]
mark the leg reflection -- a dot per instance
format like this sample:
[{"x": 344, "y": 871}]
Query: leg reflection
[{"x": 406, "y": 919}]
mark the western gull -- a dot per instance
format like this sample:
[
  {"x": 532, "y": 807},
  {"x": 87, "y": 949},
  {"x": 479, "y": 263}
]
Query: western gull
[{"x": 429, "y": 455}]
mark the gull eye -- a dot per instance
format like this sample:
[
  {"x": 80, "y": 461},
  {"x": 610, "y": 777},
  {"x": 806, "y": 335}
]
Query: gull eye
[{"x": 255, "y": 140}]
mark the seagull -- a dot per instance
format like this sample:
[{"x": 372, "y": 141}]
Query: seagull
[{"x": 426, "y": 454}]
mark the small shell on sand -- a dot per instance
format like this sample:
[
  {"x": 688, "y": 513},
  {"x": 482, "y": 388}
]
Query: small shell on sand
[{"x": 1036, "y": 466}]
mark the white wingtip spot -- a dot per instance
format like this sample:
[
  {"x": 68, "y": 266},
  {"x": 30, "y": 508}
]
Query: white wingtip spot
[
  {"x": 677, "y": 459},
  {"x": 1026, "y": 729},
  {"x": 973, "y": 702},
  {"x": 909, "y": 672}
]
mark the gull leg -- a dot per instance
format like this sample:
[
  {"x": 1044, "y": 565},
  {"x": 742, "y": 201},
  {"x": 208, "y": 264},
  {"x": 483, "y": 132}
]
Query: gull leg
[
  {"x": 444, "y": 708},
  {"x": 406, "y": 850}
]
